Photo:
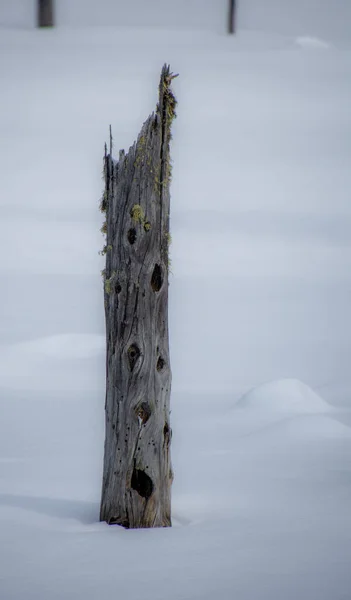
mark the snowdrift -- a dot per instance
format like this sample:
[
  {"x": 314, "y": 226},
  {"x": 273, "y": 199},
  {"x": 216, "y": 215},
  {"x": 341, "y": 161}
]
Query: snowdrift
[{"x": 284, "y": 396}]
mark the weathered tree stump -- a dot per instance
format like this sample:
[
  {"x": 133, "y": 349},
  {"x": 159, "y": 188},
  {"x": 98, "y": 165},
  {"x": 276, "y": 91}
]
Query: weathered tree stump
[
  {"x": 45, "y": 13},
  {"x": 137, "y": 476}
]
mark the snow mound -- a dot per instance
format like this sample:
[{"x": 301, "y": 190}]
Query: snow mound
[
  {"x": 311, "y": 428},
  {"x": 312, "y": 42},
  {"x": 286, "y": 396},
  {"x": 282, "y": 414}
]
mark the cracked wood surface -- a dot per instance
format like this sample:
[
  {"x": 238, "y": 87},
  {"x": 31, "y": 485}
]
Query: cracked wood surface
[{"x": 137, "y": 473}]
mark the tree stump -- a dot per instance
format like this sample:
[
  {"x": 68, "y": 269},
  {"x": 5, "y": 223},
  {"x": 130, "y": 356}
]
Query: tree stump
[
  {"x": 45, "y": 13},
  {"x": 137, "y": 475}
]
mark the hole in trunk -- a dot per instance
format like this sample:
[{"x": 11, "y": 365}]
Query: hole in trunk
[
  {"x": 131, "y": 235},
  {"x": 118, "y": 288},
  {"x": 160, "y": 363},
  {"x": 133, "y": 355},
  {"x": 143, "y": 411},
  {"x": 157, "y": 279},
  {"x": 142, "y": 483},
  {"x": 167, "y": 432}
]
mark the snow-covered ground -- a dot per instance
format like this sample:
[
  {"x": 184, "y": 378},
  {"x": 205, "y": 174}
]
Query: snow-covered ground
[{"x": 260, "y": 292}]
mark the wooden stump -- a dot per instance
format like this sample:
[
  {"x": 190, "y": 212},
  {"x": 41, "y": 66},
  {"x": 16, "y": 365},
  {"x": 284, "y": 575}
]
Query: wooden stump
[
  {"x": 137, "y": 474},
  {"x": 45, "y": 13}
]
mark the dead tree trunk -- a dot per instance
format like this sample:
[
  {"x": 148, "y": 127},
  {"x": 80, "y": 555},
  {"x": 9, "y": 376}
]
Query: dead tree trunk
[
  {"x": 232, "y": 16},
  {"x": 45, "y": 13},
  {"x": 137, "y": 476}
]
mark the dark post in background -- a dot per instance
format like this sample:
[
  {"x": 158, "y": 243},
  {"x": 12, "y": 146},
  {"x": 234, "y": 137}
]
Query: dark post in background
[
  {"x": 45, "y": 13},
  {"x": 232, "y": 16}
]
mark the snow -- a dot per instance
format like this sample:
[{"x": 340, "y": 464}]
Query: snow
[
  {"x": 285, "y": 396},
  {"x": 312, "y": 42},
  {"x": 259, "y": 299}
]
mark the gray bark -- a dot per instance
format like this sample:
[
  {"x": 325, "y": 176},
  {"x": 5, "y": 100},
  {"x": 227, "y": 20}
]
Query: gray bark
[
  {"x": 45, "y": 13},
  {"x": 137, "y": 475}
]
